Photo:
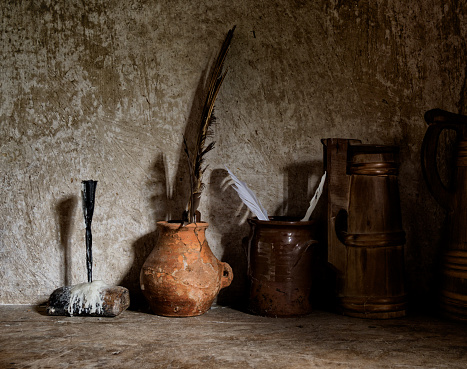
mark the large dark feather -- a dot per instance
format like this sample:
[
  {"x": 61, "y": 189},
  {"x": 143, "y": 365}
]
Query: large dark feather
[{"x": 196, "y": 161}]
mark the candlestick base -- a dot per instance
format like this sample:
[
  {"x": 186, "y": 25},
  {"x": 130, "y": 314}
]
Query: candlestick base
[{"x": 89, "y": 299}]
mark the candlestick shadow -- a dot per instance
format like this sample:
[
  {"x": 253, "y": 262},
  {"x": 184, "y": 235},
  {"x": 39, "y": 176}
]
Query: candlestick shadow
[{"x": 65, "y": 210}]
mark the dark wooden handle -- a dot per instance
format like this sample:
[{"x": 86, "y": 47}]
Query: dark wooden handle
[
  {"x": 340, "y": 226},
  {"x": 439, "y": 116},
  {"x": 429, "y": 168}
]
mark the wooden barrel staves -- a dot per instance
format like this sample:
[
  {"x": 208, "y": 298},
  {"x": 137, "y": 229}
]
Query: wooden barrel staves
[
  {"x": 371, "y": 229},
  {"x": 453, "y": 299}
]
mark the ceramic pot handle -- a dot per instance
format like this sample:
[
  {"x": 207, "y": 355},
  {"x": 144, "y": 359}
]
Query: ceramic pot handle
[
  {"x": 227, "y": 275},
  {"x": 438, "y": 121},
  {"x": 301, "y": 251}
]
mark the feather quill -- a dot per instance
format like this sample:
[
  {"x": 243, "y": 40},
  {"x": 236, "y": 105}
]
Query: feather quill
[
  {"x": 315, "y": 198},
  {"x": 207, "y": 117},
  {"x": 248, "y": 197}
]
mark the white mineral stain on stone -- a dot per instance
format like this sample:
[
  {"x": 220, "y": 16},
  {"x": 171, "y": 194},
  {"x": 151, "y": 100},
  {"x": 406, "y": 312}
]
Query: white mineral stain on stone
[{"x": 87, "y": 297}]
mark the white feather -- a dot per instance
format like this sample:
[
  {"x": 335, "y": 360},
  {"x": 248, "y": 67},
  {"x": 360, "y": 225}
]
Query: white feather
[
  {"x": 315, "y": 198},
  {"x": 248, "y": 197}
]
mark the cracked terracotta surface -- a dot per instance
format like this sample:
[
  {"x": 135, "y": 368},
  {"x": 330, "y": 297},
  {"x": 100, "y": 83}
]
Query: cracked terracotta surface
[{"x": 181, "y": 276}]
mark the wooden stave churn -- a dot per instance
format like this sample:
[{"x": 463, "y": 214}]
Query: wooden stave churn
[
  {"x": 279, "y": 254},
  {"x": 181, "y": 276},
  {"x": 371, "y": 230}
]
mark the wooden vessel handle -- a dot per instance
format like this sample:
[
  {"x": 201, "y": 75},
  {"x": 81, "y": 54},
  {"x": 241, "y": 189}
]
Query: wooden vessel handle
[
  {"x": 436, "y": 116},
  {"x": 438, "y": 120},
  {"x": 340, "y": 226}
]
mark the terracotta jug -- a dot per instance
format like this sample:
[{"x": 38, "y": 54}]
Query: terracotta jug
[
  {"x": 280, "y": 266},
  {"x": 365, "y": 236},
  {"x": 454, "y": 200},
  {"x": 182, "y": 277}
]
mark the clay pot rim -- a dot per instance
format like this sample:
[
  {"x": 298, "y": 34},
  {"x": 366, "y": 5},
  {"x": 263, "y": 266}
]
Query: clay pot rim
[
  {"x": 175, "y": 224},
  {"x": 281, "y": 220}
]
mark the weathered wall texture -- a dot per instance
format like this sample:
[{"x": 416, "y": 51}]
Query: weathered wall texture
[{"x": 104, "y": 90}]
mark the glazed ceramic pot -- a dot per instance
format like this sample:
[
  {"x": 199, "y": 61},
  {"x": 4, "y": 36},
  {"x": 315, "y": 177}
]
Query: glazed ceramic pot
[
  {"x": 182, "y": 277},
  {"x": 280, "y": 266}
]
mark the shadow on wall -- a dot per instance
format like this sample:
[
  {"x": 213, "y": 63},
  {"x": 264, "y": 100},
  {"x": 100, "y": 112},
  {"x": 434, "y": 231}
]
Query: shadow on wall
[
  {"x": 427, "y": 232},
  {"x": 300, "y": 183},
  {"x": 64, "y": 211},
  {"x": 297, "y": 191},
  {"x": 157, "y": 193},
  {"x": 224, "y": 203},
  {"x": 165, "y": 202}
]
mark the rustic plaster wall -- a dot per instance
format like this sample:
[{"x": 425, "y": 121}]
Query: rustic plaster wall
[{"x": 104, "y": 90}]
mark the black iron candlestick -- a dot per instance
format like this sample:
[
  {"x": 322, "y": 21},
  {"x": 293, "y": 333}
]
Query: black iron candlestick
[
  {"x": 89, "y": 192},
  {"x": 92, "y": 298}
]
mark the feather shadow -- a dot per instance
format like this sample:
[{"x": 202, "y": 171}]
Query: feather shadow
[{"x": 223, "y": 202}]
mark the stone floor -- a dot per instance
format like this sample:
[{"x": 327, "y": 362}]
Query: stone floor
[{"x": 227, "y": 338}]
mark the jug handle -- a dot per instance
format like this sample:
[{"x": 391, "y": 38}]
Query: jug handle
[
  {"x": 227, "y": 275},
  {"x": 302, "y": 251},
  {"x": 438, "y": 121},
  {"x": 340, "y": 225}
]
